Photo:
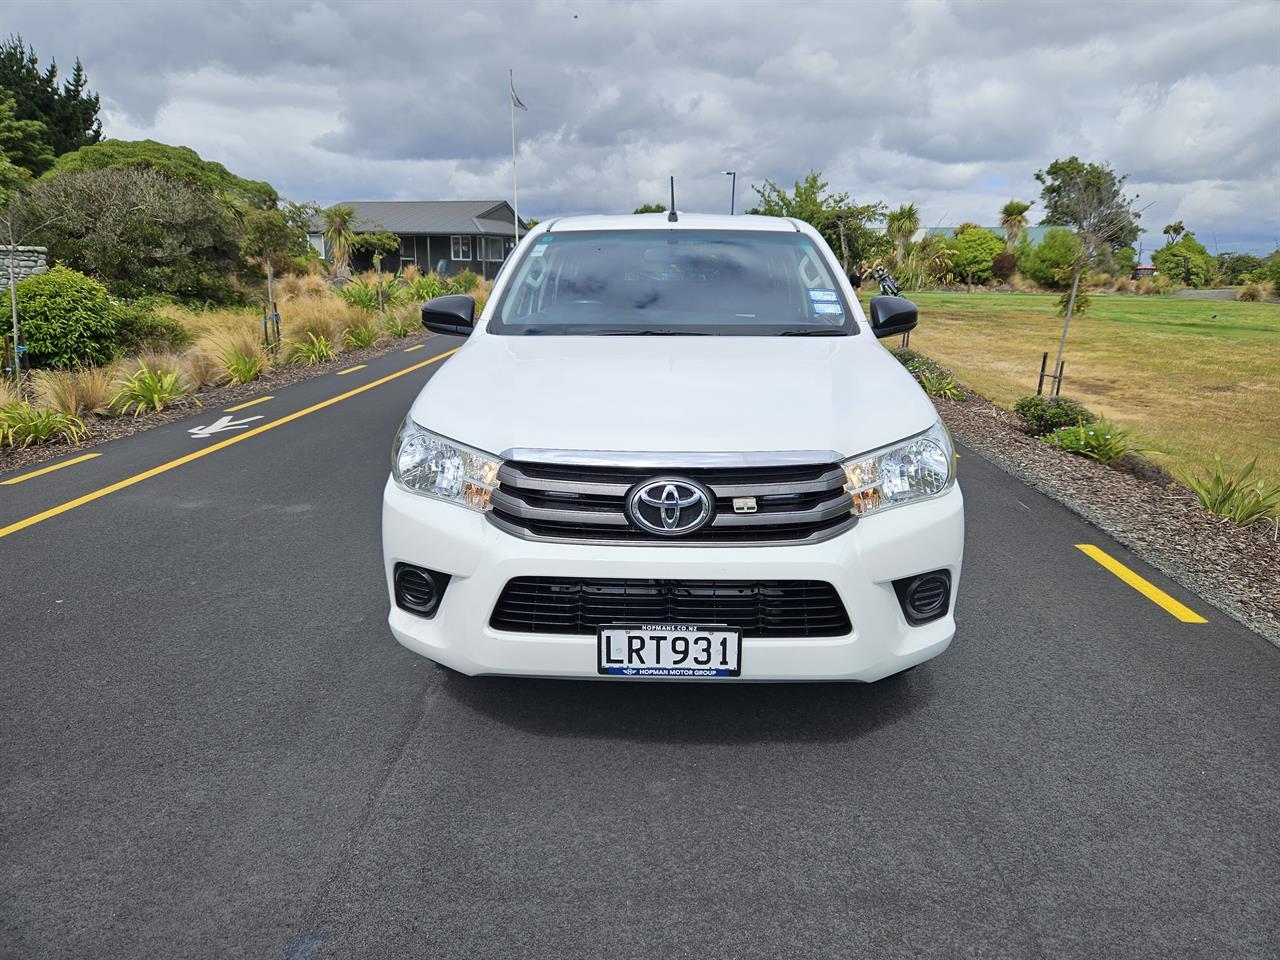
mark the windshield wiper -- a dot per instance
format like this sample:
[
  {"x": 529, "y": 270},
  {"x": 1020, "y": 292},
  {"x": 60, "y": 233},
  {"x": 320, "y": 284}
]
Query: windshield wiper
[{"x": 816, "y": 332}]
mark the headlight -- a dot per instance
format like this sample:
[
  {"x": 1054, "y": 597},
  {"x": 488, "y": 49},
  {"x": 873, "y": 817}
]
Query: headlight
[
  {"x": 430, "y": 465},
  {"x": 920, "y": 467}
]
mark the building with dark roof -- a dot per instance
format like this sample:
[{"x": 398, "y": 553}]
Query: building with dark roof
[{"x": 444, "y": 236}]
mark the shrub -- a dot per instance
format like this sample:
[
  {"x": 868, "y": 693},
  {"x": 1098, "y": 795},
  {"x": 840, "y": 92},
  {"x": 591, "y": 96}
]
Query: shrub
[
  {"x": 22, "y": 425},
  {"x": 362, "y": 291},
  {"x": 242, "y": 367},
  {"x": 1004, "y": 265},
  {"x": 360, "y": 294},
  {"x": 140, "y": 232},
  {"x": 1123, "y": 285},
  {"x": 1251, "y": 292},
  {"x": 1050, "y": 262},
  {"x": 73, "y": 392},
  {"x": 462, "y": 282},
  {"x": 972, "y": 252},
  {"x": 1045, "y": 414},
  {"x": 8, "y": 392},
  {"x": 1101, "y": 441},
  {"x": 937, "y": 383},
  {"x": 400, "y": 323},
  {"x": 425, "y": 287},
  {"x": 311, "y": 351},
  {"x": 1238, "y": 497},
  {"x": 67, "y": 320},
  {"x": 148, "y": 390},
  {"x": 139, "y": 328},
  {"x": 361, "y": 335}
]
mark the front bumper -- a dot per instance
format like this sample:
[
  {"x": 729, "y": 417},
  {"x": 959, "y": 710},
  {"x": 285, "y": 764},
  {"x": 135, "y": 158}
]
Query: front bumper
[{"x": 862, "y": 565}]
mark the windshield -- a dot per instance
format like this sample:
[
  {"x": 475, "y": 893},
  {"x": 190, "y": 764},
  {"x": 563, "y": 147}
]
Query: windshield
[{"x": 676, "y": 282}]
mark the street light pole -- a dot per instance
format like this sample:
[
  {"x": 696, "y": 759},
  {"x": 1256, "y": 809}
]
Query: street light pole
[{"x": 733, "y": 189}]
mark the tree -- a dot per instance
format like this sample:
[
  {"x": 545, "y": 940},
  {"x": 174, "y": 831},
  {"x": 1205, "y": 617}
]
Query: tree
[
  {"x": 1173, "y": 231},
  {"x": 268, "y": 234},
  {"x": 180, "y": 163},
  {"x": 69, "y": 113},
  {"x": 1013, "y": 217},
  {"x": 901, "y": 224},
  {"x": 137, "y": 231},
  {"x": 973, "y": 250},
  {"x": 379, "y": 244},
  {"x": 846, "y": 226},
  {"x": 1089, "y": 198},
  {"x": 24, "y": 143},
  {"x": 339, "y": 235},
  {"x": 1186, "y": 261},
  {"x": 1236, "y": 267},
  {"x": 650, "y": 208}
]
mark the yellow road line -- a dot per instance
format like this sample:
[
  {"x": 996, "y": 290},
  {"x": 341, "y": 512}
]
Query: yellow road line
[
  {"x": 1144, "y": 587},
  {"x": 44, "y": 470},
  {"x": 241, "y": 406},
  {"x": 415, "y": 347},
  {"x": 205, "y": 451},
  {"x": 358, "y": 366}
]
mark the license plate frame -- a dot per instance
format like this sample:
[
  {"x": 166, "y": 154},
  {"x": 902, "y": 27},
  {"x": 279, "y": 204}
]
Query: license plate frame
[{"x": 616, "y": 652}]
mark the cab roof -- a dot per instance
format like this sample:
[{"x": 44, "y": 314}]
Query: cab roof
[{"x": 659, "y": 221}]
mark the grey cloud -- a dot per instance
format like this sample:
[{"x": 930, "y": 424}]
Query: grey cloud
[{"x": 921, "y": 101}]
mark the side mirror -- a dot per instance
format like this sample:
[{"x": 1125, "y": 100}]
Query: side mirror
[
  {"x": 890, "y": 315},
  {"x": 453, "y": 314}
]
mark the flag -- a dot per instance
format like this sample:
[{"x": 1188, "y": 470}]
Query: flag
[{"x": 515, "y": 100}]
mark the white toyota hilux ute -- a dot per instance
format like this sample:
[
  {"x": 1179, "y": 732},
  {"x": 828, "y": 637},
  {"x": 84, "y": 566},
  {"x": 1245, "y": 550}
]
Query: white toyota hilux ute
[{"x": 673, "y": 450}]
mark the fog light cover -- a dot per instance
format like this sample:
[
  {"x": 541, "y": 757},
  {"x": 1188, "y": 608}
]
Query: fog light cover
[
  {"x": 418, "y": 590},
  {"x": 924, "y": 598}
]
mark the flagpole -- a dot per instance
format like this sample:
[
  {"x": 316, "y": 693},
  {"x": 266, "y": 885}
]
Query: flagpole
[{"x": 515, "y": 190}]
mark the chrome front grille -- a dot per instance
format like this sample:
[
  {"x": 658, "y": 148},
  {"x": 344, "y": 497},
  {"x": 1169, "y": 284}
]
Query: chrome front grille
[{"x": 587, "y": 503}]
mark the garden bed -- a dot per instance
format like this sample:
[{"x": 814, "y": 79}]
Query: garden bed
[
  {"x": 1236, "y": 568},
  {"x": 100, "y": 429}
]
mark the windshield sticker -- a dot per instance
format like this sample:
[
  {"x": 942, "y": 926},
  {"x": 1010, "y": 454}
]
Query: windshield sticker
[
  {"x": 538, "y": 251},
  {"x": 823, "y": 296},
  {"x": 833, "y": 308}
]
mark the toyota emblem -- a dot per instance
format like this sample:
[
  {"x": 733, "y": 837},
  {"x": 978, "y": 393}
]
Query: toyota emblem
[{"x": 670, "y": 506}]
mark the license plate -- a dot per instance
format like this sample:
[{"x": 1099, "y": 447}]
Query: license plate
[{"x": 668, "y": 650}]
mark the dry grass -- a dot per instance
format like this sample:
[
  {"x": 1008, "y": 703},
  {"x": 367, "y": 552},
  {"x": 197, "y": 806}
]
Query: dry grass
[
  {"x": 8, "y": 392},
  {"x": 1192, "y": 378},
  {"x": 73, "y": 392},
  {"x": 295, "y": 286},
  {"x": 203, "y": 367}
]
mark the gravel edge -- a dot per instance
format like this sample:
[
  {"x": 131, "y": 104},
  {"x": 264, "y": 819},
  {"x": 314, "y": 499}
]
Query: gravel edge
[
  {"x": 102, "y": 429},
  {"x": 1235, "y": 568}
]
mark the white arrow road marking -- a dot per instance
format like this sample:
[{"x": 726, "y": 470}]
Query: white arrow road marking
[{"x": 222, "y": 423}]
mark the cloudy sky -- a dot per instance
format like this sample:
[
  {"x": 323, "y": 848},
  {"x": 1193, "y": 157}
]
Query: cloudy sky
[{"x": 950, "y": 105}]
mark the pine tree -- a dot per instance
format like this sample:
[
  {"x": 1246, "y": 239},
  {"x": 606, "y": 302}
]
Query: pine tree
[{"x": 69, "y": 112}]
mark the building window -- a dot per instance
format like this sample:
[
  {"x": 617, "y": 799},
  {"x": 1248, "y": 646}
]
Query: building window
[
  {"x": 459, "y": 248},
  {"x": 492, "y": 249}
]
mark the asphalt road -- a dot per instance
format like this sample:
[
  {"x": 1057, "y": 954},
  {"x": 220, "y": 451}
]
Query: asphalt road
[{"x": 212, "y": 747}]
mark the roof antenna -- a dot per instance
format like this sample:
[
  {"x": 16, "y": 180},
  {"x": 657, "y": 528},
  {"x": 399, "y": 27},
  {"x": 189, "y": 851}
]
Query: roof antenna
[{"x": 671, "y": 214}]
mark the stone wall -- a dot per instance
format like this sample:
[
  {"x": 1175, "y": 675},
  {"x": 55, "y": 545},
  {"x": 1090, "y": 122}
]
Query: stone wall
[{"x": 29, "y": 260}]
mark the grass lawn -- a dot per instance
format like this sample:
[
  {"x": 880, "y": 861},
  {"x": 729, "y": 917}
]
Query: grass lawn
[{"x": 1191, "y": 377}]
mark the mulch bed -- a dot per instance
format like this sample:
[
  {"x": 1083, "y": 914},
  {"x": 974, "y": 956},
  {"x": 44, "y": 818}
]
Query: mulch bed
[
  {"x": 1236, "y": 568},
  {"x": 102, "y": 429}
]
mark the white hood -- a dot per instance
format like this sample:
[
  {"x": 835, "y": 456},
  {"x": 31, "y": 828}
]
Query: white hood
[{"x": 674, "y": 394}]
